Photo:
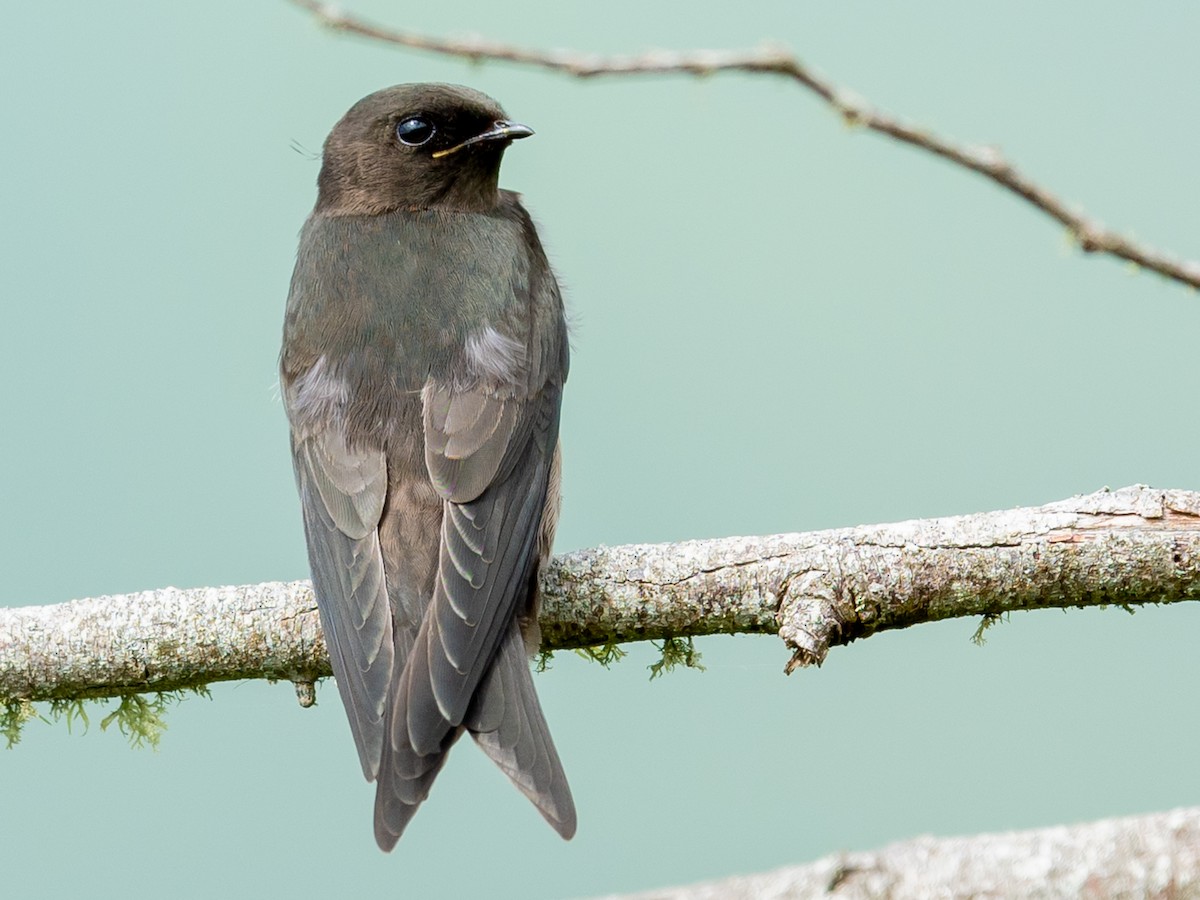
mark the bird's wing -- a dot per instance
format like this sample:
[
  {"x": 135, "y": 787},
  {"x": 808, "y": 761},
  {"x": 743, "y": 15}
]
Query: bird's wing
[
  {"x": 489, "y": 456},
  {"x": 342, "y": 493}
]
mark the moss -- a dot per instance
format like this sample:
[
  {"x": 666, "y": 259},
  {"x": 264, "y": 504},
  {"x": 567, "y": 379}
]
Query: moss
[
  {"x": 675, "y": 652},
  {"x": 16, "y": 714},
  {"x": 140, "y": 717},
  {"x": 985, "y": 623},
  {"x": 71, "y": 710},
  {"x": 606, "y": 654}
]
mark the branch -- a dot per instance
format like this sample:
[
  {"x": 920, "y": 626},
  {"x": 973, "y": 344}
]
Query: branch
[
  {"x": 816, "y": 590},
  {"x": 1090, "y": 235},
  {"x": 1141, "y": 856}
]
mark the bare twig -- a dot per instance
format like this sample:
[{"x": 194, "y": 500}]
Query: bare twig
[
  {"x": 817, "y": 591},
  {"x": 1090, "y": 235},
  {"x": 1155, "y": 855}
]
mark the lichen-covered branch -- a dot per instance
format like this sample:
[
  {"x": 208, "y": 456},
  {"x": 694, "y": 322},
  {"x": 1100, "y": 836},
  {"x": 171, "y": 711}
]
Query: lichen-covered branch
[
  {"x": 1155, "y": 855},
  {"x": 826, "y": 588},
  {"x": 1090, "y": 235},
  {"x": 816, "y": 590}
]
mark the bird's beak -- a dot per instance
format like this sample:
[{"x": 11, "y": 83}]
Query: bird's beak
[{"x": 500, "y": 131}]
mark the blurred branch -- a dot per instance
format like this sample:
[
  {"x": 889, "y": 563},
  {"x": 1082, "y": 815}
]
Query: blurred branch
[
  {"x": 1090, "y": 235},
  {"x": 1155, "y": 855},
  {"x": 816, "y": 590}
]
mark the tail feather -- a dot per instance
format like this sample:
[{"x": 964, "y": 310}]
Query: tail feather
[
  {"x": 405, "y": 778},
  {"x": 506, "y": 721}
]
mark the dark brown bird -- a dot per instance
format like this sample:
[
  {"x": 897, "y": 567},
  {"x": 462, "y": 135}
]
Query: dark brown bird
[{"x": 423, "y": 363}]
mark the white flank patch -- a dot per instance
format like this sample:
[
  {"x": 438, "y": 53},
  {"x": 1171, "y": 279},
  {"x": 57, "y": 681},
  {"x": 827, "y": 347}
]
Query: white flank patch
[
  {"x": 495, "y": 356},
  {"x": 317, "y": 394}
]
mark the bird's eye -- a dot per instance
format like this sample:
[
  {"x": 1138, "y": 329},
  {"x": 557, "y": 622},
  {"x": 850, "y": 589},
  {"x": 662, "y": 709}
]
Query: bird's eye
[{"x": 415, "y": 131}]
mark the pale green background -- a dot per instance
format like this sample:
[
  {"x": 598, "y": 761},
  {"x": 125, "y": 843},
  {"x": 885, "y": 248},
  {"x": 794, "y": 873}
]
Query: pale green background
[{"x": 780, "y": 324}]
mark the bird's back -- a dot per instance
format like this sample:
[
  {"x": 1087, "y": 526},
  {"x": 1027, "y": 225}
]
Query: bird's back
[{"x": 423, "y": 362}]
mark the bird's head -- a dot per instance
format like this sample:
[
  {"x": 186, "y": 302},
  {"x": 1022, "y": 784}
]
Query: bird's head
[{"x": 416, "y": 146}]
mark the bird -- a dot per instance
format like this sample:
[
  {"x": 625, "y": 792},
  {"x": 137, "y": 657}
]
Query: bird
[{"x": 425, "y": 351}]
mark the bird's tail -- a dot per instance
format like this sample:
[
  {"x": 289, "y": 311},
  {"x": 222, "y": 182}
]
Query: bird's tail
[
  {"x": 405, "y": 777},
  {"x": 506, "y": 721}
]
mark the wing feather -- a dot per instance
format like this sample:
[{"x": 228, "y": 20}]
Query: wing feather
[
  {"x": 488, "y": 561},
  {"x": 342, "y": 493}
]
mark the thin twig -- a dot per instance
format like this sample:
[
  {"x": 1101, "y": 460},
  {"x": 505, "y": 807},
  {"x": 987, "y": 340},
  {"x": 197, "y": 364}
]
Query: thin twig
[{"x": 1090, "y": 235}]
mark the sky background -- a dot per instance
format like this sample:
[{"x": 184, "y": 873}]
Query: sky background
[{"x": 780, "y": 324}]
